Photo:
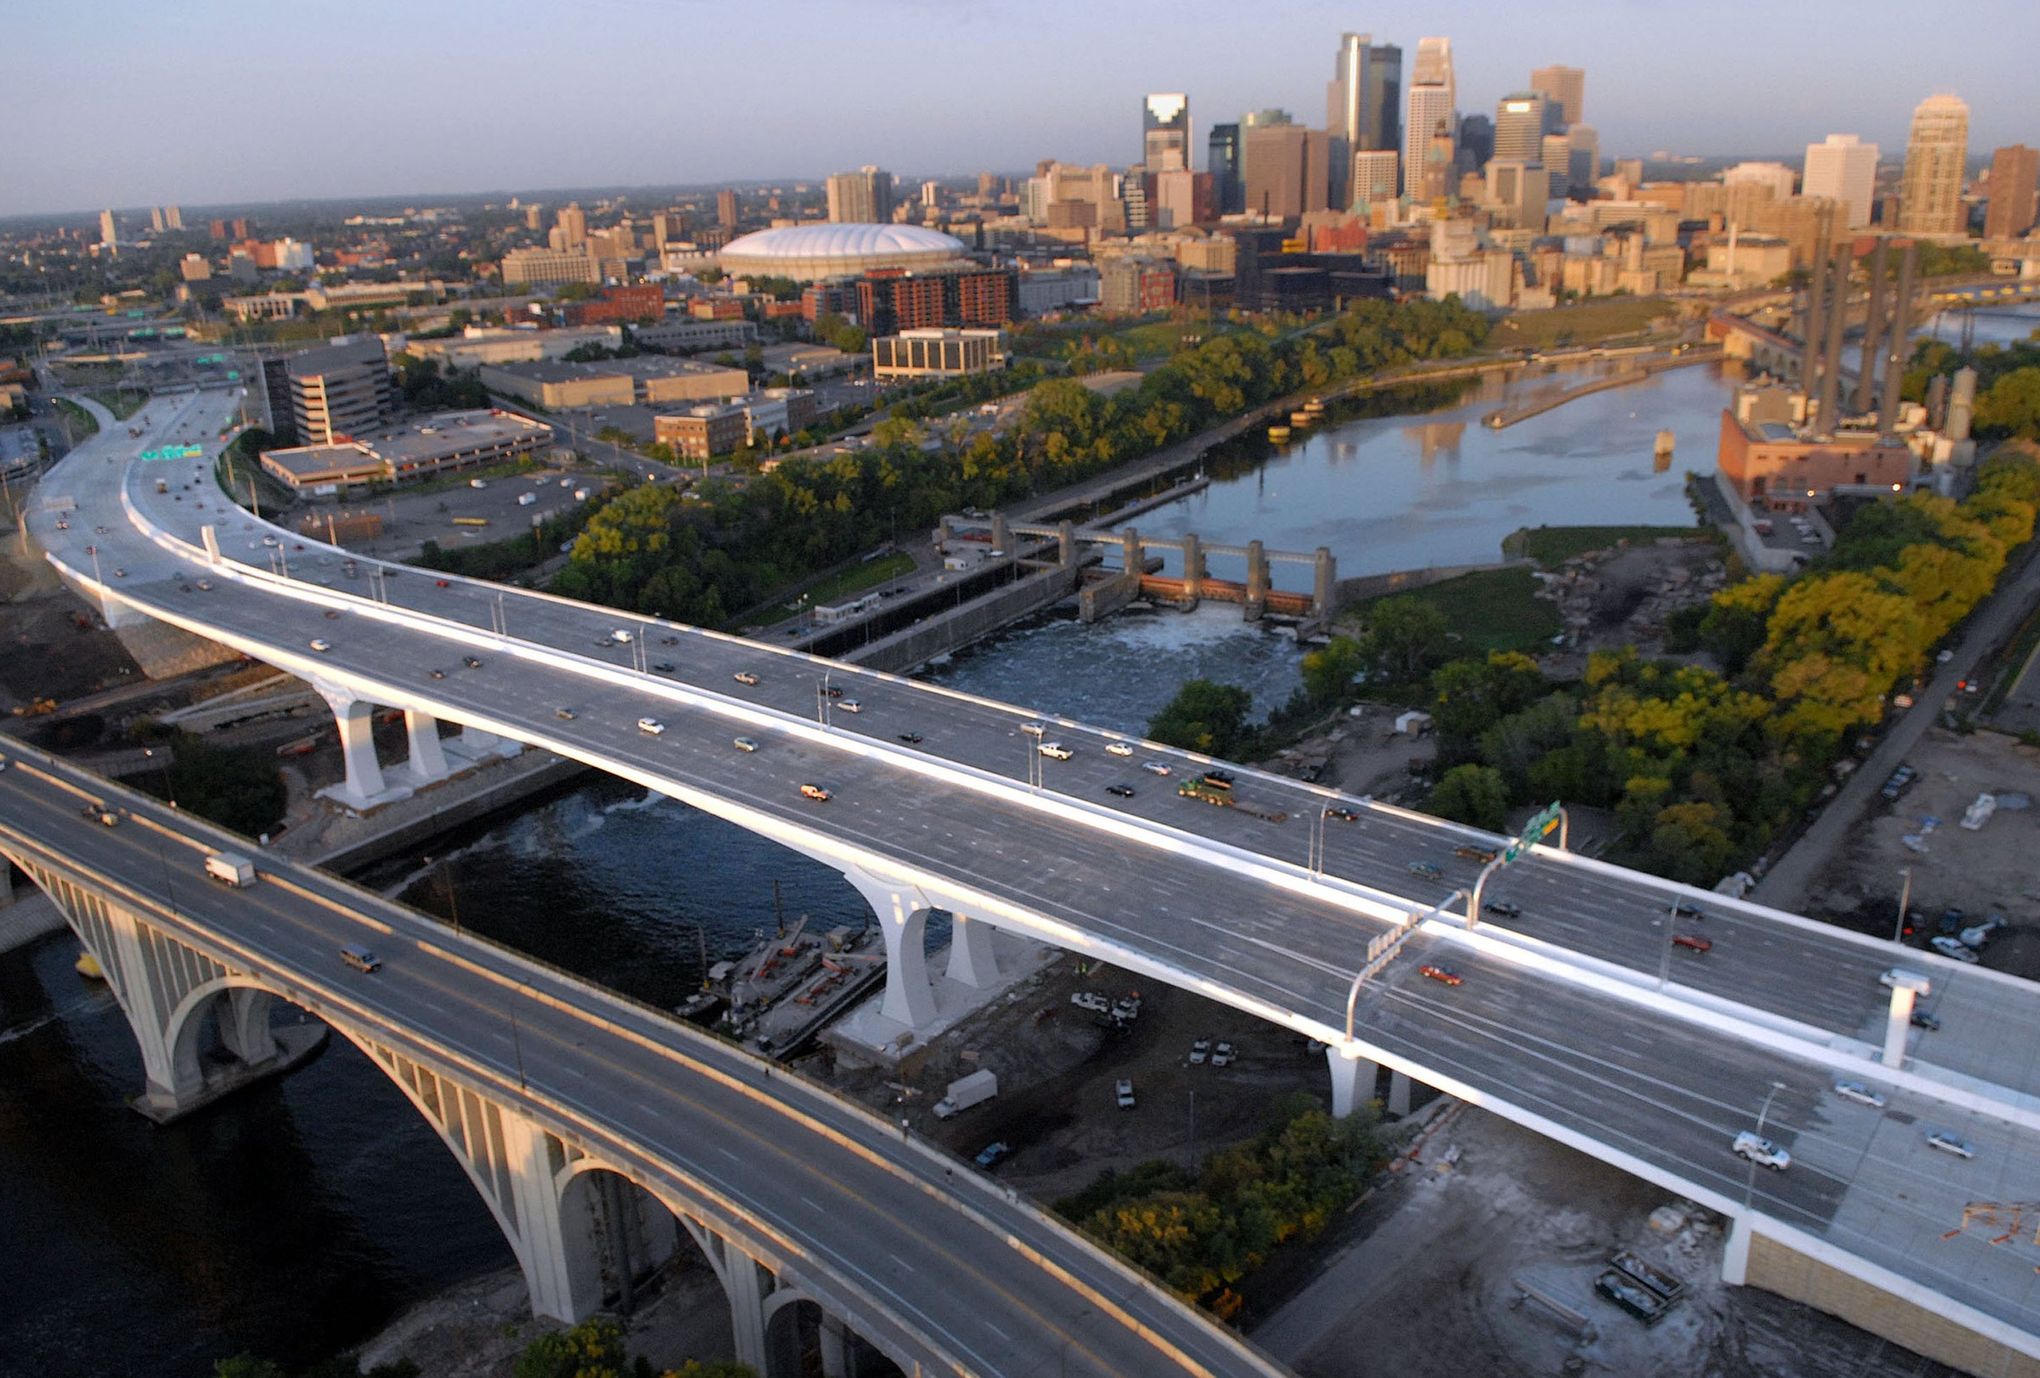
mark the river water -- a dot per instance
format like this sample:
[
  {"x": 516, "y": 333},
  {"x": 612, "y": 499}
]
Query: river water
[{"x": 297, "y": 1217}]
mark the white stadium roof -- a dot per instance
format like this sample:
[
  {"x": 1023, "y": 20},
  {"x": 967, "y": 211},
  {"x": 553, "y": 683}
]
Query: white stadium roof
[{"x": 809, "y": 252}]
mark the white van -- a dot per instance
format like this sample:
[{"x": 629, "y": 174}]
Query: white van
[{"x": 360, "y": 958}]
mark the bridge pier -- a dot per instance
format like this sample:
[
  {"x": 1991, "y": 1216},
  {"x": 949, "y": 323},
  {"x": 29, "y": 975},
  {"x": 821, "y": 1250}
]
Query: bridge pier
[
  {"x": 903, "y": 921},
  {"x": 364, "y": 787},
  {"x": 475, "y": 746},
  {"x": 972, "y": 962},
  {"x": 1324, "y": 586},
  {"x": 1353, "y": 1080},
  {"x": 1002, "y": 533},
  {"x": 1130, "y": 558},
  {"x": 427, "y": 762},
  {"x": 173, "y": 996},
  {"x": 1193, "y": 568},
  {"x": 1257, "y": 580},
  {"x": 1066, "y": 544}
]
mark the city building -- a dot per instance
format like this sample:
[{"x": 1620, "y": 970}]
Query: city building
[
  {"x": 340, "y": 391},
  {"x": 726, "y": 208},
  {"x": 2014, "y": 172},
  {"x": 572, "y": 225},
  {"x": 1135, "y": 284},
  {"x": 1363, "y": 110},
  {"x": 1565, "y": 93},
  {"x": 618, "y": 306},
  {"x": 1433, "y": 102},
  {"x": 812, "y": 253},
  {"x": 1462, "y": 265},
  {"x": 760, "y": 418},
  {"x": 863, "y": 197},
  {"x": 1843, "y": 168},
  {"x": 1778, "y": 177},
  {"x": 1519, "y": 127},
  {"x": 1374, "y": 178},
  {"x": 1223, "y": 159},
  {"x": 1930, "y": 195},
  {"x": 1476, "y": 142},
  {"x": 1518, "y": 192},
  {"x": 1583, "y": 158},
  {"x": 479, "y": 345},
  {"x": 1286, "y": 170},
  {"x": 807, "y": 360},
  {"x": 108, "y": 237},
  {"x": 556, "y": 384},
  {"x": 438, "y": 444},
  {"x": 1737, "y": 261},
  {"x": 1556, "y": 155},
  {"x": 194, "y": 268},
  {"x": 1042, "y": 290},
  {"x": 937, "y": 353},
  {"x": 691, "y": 336},
  {"x": 549, "y": 267},
  {"x": 1165, "y": 133},
  {"x": 1774, "y": 462},
  {"x": 173, "y": 217},
  {"x": 1182, "y": 199}
]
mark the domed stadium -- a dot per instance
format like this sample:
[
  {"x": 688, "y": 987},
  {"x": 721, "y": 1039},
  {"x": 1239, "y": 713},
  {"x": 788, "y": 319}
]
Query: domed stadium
[{"x": 810, "y": 253}]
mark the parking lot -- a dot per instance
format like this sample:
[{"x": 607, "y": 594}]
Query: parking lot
[{"x": 409, "y": 519}]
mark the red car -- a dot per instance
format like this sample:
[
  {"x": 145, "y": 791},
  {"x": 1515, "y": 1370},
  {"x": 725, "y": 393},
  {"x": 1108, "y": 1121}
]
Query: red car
[
  {"x": 1693, "y": 942},
  {"x": 1437, "y": 973}
]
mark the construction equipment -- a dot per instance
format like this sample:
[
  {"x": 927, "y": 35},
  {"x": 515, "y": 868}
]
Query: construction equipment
[{"x": 2011, "y": 1220}]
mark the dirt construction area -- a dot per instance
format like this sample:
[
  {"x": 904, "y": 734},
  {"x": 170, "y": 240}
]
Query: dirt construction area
[{"x": 1987, "y": 870}]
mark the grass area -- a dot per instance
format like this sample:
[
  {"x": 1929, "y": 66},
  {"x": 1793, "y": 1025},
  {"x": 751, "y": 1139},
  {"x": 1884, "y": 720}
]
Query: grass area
[
  {"x": 122, "y": 402},
  {"x": 1492, "y": 610},
  {"x": 853, "y": 580},
  {"x": 1582, "y": 322},
  {"x": 1552, "y": 545},
  {"x": 83, "y": 423}
]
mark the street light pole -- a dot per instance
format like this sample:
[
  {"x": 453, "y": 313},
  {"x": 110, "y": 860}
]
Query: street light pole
[
  {"x": 1750, "y": 1183},
  {"x": 1904, "y": 900}
]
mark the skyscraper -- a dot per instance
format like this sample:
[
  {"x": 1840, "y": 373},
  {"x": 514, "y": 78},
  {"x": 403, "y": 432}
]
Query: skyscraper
[
  {"x": 1519, "y": 127},
  {"x": 1223, "y": 158},
  {"x": 726, "y": 208},
  {"x": 1930, "y": 196},
  {"x": 1842, "y": 168},
  {"x": 1476, "y": 142},
  {"x": 2014, "y": 173},
  {"x": 107, "y": 236},
  {"x": 1565, "y": 93},
  {"x": 155, "y": 220},
  {"x": 573, "y": 226},
  {"x": 173, "y": 217},
  {"x": 863, "y": 197},
  {"x": 1583, "y": 157},
  {"x": 1363, "y": 107},
  {"x": 1165, "y": 133},
  {"x": 1432, "y": 100},
  {"x": 1286, "y": 170}
]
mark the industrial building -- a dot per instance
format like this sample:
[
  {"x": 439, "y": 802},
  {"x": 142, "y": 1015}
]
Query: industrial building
[
  {"x": 758, "y": 418},
  {"x": 450, "y": 440},
  {"x": 558, "y": 385}
]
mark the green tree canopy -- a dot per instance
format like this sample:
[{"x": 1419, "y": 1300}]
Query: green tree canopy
[
  {"x": 1405, "y": 637},
  {"x": 1204, "y": 716},
  {"x": 1472, "y": 794}
]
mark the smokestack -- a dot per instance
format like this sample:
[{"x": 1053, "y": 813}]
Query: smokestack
[
  {"x": 1809, "y": 339},
  {"x": 1897, "y": 351},
  {"x": 1831, "y": 354},
  {"x": 1961, "y": 404},
  {"x": 1873, "y": 325}
]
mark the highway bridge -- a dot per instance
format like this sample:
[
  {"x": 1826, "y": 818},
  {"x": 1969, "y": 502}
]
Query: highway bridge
[{"x": 1575, "y": 1016}]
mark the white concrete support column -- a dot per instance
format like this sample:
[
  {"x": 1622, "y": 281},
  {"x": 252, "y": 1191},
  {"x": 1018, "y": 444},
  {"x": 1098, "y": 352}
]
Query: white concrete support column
[
  {"x": 244, "y": 1026},
  {"x": 1398, "y": 1093},
  {"x": 475, "y": 746},
  {"x": 164, "y": 1092},
  {"x": 1906, "y": 987},
  {"x": 427, "y": 763},
  {"x": 530, "y": 1212},
  {"x": 903, "y": 919},
  {"x": 1353, "y": 1078},
  {"x": 971, "y": 959},
  {"x": 365, "y": 786},
  {"x": 747, "y": 1284},
  {"x": 838, "y": 1349},
  {"x": 1735, "y": 1258}
]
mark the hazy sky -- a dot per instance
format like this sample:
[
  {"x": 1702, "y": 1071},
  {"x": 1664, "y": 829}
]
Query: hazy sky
[{"x": 132, "y": 102}]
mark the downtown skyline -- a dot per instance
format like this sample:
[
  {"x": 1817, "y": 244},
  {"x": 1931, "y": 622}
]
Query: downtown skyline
[{"x": 455, "y": 113}]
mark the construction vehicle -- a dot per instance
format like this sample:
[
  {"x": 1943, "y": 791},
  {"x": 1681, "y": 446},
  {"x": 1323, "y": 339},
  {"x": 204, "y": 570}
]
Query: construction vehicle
[
  {"x": 1224, "y": 798},
  {"x": 36, "y": 709},
  {"x": 966, "y": 1091}
]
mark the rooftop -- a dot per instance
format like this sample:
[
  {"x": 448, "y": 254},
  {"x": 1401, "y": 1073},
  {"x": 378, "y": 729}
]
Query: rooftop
[{"x": 646, "y": 366}]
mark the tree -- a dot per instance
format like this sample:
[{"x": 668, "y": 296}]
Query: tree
[
  {"x": 1329, "y": 671},
  {"x": 1472, "y": 794},
  {"x": 1469, "y": 696},
  {"x": 592, "y": 1349},
  {"x": 1405, "y": 637},
  {"x": 246, "y": 1366},
  {"x": 2011, "y": 406},
  {"x": 1204, "y": 716}
]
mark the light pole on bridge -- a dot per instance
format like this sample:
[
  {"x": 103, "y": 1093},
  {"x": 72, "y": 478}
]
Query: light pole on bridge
[{"x": 1750, "y": 1184}]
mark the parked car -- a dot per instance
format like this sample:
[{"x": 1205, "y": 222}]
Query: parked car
[
  {"x": 911, "y": 738},
  {"x": 1921, "y": 1019},
  {"x": 1223, "y": 1054},
  {"x": 1953, "y": 948},
  {"x": 1692, "y": 942},
  {"x": 1123, "y": 1093},
  {"x": 1898, "y": 783},
  {"x": 1441, "y": 974},
  {"x": 1859, "y": 1093},
  {"x": 1761, "y": 1151},
  {"x": 1090, "y": 1000},
  {"x": 1951, "y": 1143},
  {"x": 472, "y": 662},
  {"x": 991, "y": 1155},
  {"x": 1200, "y": 1052},
  {"x": 1118, "y": 749},
  {"x": 320, "y": 644}
]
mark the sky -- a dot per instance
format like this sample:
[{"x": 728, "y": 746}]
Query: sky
[{"x": 130, "y": 103}]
